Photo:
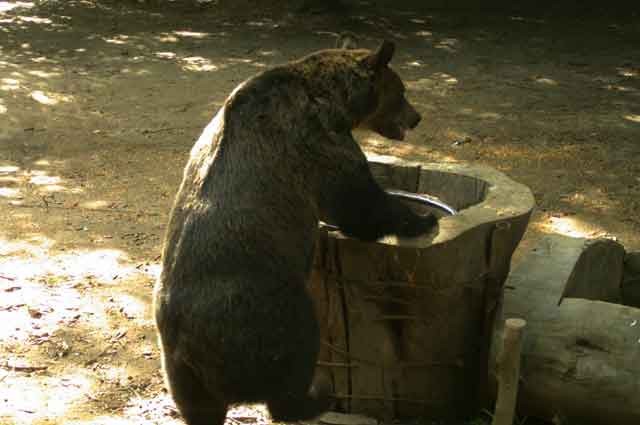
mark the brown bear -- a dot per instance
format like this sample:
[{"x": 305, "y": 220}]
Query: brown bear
[{"x": 236, "y": 323}]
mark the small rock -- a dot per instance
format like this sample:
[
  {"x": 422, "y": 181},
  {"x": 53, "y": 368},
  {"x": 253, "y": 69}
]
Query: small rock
[
  {"x": 461, "y": 142},
  {"x": 34, "y": 312}
]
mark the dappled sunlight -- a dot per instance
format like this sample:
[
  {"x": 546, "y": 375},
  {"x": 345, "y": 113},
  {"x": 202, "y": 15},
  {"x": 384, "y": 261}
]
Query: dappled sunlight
[
  {"x": 372, "y": 140},
  {"x": 152, "y": 270},
  {"x": 43, "y": 290},
  {"x": 37, "y": 309},
  {"x": 198, "y": 63},
  {"x": 44, "y": 74},
  {"x": 251, "y": 413},
  {"x": 48, "y": 295},
  {"x": 26, "y": 400},
  {"x": 117, "y": 420},
  {"x": 545, "y": 81},
  {"x": 115, "y": 374},
  {"x": 61, "y": 315},
  {"x": 483, "y": 115},
  {"x": 425, "y": 34},
  {"x": 620, "y": 82},
  {"x": 490, "y": 115},
  {"x": 9, "y": 84},
  {"x": 584, "y": 199},
  {"x": 632, "y": 118},
  {"x": 43, "y": 59},
  {"x": 103, "y": 265},
  {"x": 450, "y": 45},
  {"x": 165, "y": 55},
  {"x": 8, "y": 179},
  {"x": 31, "y": 259},
  {"x": 35, "y": 19},
  {"x": 176, "y": 36},
  {"x": 51, "y": 188},
  {"x": 139, "y": 72},
  {"x": 132, "y": 308},
  {"x": 26, "y": 22},
  {"x": 49, "y": 98},
  {"x": 118, "y": 39},
  {"x": 571, "y": 226},
  {"x": 414, "y": 64},
  {"x": 36, "y": 181},
  {"x": 6, "y": 6},
  {"x": 268, "y": 53},
  {"x": 160, "y": 408},
  {"x": 22, "y": 82},
  {"x": 192, "y": 34},
  {"x": 203, "y": 64},
  {"x": 190, "y": 63},
  {"x": 43, "y": 162},
  {"x": 96, "y": 205},
  {"x": 239, "y": 60},
  {"x": 166, "y": 37},
  {"x": 148, "y": 411},
  {"x": 266, "y": 23},
  {"x": 628, "y": 72},
  {"x": 375, "y": 145},
  {"x": 621, "y": 89},
  {"x": 439, "y": 84},
  {"x": 10, "y": 192}
]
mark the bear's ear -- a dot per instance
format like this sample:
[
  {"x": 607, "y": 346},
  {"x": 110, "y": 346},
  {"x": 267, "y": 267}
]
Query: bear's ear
[{"x": 381, "y": 57}]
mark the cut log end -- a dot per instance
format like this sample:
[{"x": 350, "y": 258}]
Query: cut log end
[
  {"x": 515, "y": 324},
  {"x": 509, "y": 372}
]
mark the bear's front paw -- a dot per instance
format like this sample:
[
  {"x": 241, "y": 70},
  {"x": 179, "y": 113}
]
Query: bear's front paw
[{"x": 418, "y": 225}]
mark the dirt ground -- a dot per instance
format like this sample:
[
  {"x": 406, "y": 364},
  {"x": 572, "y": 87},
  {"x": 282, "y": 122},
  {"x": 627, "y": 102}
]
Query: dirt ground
[{"x": 100, "y": 104}]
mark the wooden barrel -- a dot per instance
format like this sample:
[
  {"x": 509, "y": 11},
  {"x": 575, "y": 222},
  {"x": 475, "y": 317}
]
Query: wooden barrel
[{"x": 406, "y": 324}]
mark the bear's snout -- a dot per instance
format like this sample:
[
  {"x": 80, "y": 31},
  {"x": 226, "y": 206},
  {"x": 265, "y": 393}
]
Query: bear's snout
[
  {"x": 414, "y": 120},
  {"x": 411, "y": 116}
]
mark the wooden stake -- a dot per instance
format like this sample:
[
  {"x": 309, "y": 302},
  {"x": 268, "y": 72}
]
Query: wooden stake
[{"x": 509, "y": 372}]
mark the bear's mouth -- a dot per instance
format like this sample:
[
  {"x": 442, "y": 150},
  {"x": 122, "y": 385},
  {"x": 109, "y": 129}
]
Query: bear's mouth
[
  {"x": 397, "y": 131},
  {"x": 391, "y": 130}
]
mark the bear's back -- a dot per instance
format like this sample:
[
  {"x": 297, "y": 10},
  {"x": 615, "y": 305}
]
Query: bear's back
[{"x": 246, "y": 178}]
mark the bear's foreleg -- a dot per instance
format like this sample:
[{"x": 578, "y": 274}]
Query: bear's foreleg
[{"x": 362, "y": 209}]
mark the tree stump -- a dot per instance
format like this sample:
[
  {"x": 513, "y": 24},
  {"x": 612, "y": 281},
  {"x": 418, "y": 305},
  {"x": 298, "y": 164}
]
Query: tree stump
[{"x": 406, "y": 324}]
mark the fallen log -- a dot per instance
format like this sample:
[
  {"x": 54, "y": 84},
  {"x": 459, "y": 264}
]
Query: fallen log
[{"x": 581, "y": 357}]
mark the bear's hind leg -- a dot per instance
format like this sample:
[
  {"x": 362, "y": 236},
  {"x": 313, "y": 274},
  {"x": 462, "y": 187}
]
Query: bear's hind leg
[
  {"x": 197, "y": 405},
  {"x": 292, "y": 406}
]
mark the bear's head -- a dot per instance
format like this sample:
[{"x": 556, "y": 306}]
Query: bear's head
[
  {"x": 392, "y": 115},
  {"x": 360, "y": 85}
]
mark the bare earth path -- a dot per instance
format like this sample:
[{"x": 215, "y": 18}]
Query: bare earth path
[{"x": 100, "y": 105}]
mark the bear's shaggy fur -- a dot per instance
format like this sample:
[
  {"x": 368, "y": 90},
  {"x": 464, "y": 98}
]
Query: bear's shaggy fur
[{"x": 235, "y": 321}]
